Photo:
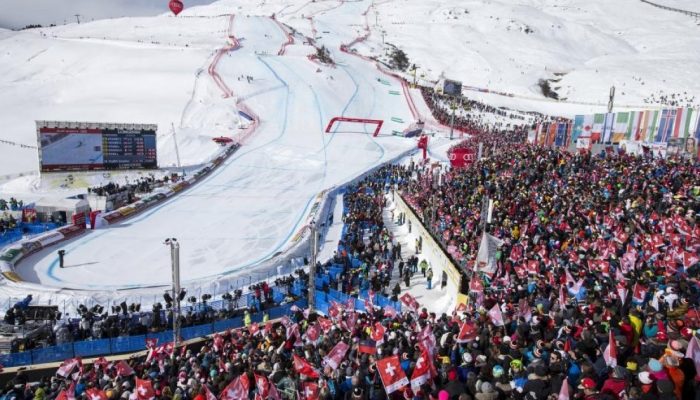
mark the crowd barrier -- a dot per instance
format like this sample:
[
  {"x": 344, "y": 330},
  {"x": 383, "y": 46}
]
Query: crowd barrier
[{"x": 130, "y": 344}]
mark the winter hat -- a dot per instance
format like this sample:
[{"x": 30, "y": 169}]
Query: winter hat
[
  {"x": 645, "y": 378},
  {"x": 587, "y": 383},
  {"x": 655, "y": 365},
  {"x": 497, "y": 371},
  {"x": 486, "y": 387},
  {"x": 452, "y": 375},
  {"x": 443, "y": 395}
]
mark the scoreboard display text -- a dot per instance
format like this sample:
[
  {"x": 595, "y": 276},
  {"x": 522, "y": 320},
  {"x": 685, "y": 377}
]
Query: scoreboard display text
[{"x": 97, "y": 148}]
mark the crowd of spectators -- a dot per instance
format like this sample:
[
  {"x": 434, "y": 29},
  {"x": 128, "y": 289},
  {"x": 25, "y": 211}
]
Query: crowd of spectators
[
  {"x": 593, "y": 295},
  {"x": 142, "y": 185},
  {"x": 124, "y": 319}
]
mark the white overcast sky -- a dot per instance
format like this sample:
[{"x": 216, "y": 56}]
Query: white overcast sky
[{"x": 19, "y": 13}]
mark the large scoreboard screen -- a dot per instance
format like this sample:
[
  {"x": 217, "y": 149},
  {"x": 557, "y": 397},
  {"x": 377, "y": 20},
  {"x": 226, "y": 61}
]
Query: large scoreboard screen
[{"x": 77, "y": 146}]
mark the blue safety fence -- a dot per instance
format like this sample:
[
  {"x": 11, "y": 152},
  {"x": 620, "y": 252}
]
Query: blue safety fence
[{"x": 130, "y": 344}]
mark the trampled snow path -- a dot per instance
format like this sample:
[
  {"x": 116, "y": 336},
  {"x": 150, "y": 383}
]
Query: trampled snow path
[
  {"x": 248, "y": 210},
  {"x": 435, "y": 300}
]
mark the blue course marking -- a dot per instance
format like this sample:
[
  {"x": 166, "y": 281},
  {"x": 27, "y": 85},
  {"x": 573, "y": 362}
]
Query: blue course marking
[
  {"x": 320, "y": 120},
  {"x": 54, "y": 264},
  {"x": 371, "y": 138}
]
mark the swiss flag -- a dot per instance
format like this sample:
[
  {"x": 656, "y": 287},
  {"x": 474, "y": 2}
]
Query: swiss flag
[
  {"x": 467, "y": 332},
  {"x": 378, "y": 333},
  {"x": 391, "y": 373},
  {"x": 335, "y": 357},
  {"x": 334, "y": 309},
  {"x": 101, "y": 363},
  {"x": 610, "y": 353},
  {"x": 68, "y": 394},
  {"x": 639, "y": 292},
  {"x": 532, "y": 267},
  {"x": 475, "y": 285},
  {"x": 409, "y": 301},
  {"x": 325, "y": 323},
  {"x": 311, "y": 391},
  {"x": 312, "y": 333},
  {"x": 151, "y": 343},
  {"x": 390, "y": 312},
  {"x": 516, "y": 253},
  {"x": 237, "y": 389},
  {"x": 254, "y": 328},
  {"x": 124, "y": 369},
  {"x": 68, "y": 366},
  {"x": 96, "y": 394},
  {"x": 209, "y": 394},
  {"x": 622, "y": 294},
  {"x": 266, "y": 390},
  {"x": 303, "y": 367},
  {"x": 690, "y": 259},
  {"x": 421, "y": 373},
  {"x": 144, "y": 389},
  {"x": 496, "y": 315}
]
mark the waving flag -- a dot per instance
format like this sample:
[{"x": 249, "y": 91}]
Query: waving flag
[
  {"x": 421, "y": 373},
  {"x": 144, "y": 389},
  {"x": 237, "y": 389},
  {"x": 96, "y": 394},
  {"x": 486, "y": 256},
  {"x": 378, "y": 333},
  {"x": 311, "y": 391},
  {"x": 392, "y": 375},
  {"x": 325, "y": 324},
  {"x": 336, "y": 355},
  {"x": 367, "y": 346},
  {"x": 124, "y": 369},
  {"x": 610, "y": 353},
  {"x": 68, "y": 366},
  {"x": 313, "y": 333},
  {"x": 467, "y": 332},
  {"x": 266, "y": 390},
  {"x": 639, "y": 293},
  {"x": 208, "y": 393},
  {"x": 303, "y": 367},
  {"x": 410, "y": 301},
  {"x": 496, "y": 315}
]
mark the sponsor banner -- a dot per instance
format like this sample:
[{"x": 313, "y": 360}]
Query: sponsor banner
[
  {"x": 71, "y": 231},
  {"x": 112, "y": 216},
  {"x": 180, "y": 186},
  {"x": 30, "y": 247},
  {"x": 11, "y": 255},
  {"x": 49, "y": 238},
  {"x": 461, "y": 158}
]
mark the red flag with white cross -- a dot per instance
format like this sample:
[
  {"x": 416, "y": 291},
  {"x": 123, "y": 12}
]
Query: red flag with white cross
[{"x": 391, "y": 373}]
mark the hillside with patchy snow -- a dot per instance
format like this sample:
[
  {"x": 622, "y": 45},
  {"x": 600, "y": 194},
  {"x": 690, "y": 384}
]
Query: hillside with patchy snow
[{"x": 582, "y": 47}]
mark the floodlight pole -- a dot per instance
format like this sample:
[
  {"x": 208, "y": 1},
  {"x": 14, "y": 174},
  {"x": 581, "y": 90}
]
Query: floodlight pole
[{"x": 175, "y": 263}]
